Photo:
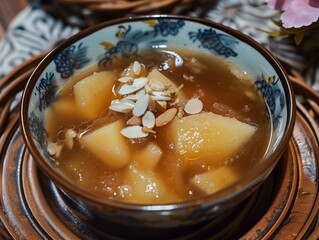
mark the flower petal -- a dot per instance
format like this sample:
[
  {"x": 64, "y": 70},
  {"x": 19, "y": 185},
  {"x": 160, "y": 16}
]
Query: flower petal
[{"x": 299, "y": 13}]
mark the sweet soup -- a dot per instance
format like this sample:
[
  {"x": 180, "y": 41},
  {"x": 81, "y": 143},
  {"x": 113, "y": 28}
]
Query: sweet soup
[{"x": 164, "y": 127}]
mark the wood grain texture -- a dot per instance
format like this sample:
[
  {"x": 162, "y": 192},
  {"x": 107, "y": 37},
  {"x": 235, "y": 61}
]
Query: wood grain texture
[{"x": 8, "y": 10}]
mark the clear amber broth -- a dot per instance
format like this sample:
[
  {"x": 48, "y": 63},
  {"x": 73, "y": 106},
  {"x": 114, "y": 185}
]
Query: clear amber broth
[{"x": 208, "y": 78}]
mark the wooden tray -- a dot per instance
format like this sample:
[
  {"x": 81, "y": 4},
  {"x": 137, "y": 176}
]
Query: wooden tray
[
  {"x": 284, "y": 207},
  {"x": 84, "y": 13}
]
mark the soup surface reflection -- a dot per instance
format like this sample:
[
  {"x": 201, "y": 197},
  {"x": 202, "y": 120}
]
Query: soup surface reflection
[{"x": 166, "y": 126}]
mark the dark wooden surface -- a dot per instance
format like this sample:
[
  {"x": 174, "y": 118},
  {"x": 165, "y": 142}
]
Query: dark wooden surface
[{"x": 8, "y": 10}]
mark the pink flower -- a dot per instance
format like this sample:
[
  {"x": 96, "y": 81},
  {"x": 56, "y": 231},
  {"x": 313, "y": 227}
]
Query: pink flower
[{"x": 296, "y": 13}]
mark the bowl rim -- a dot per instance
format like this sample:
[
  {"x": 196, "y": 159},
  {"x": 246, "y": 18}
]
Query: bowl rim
[{"x": 250, "y": 180}]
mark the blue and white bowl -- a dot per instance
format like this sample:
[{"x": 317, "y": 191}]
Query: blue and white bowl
[{"x": 125, "y": 37}]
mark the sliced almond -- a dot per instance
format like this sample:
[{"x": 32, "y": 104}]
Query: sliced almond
[
  {"x": 157, "y": 93},
  {"x": 161, "y": 98},
  {"x": 173, "y": 93},
  {"x": 132, "y": 97},
  {"x": 136, "y": 68},
  {"x": 128, "y": 80},
  {"x": 175, "y": 102},
  {"x": 165, "y": 117},
  {"x": 115, "y": 89},
  {"x": 148, "y": 130},
  {"x": 151, "y": 105},
  {"x": 193, "y": 106},
  {"x": 141, "y": 105},
  {"x": 148, "y": 89},
  {"x": 157, "y": 85},
  {"x": 69, "y": 138},
  {"x": 167, "y": 93},
  {"x": 141, "y": 92},
  {"x": 122, "y": 105},
  {"x": 172, "y": 87},
  {"x": 135, "y": 86},
  {"x": 148, "y": 120},
  {"x": 134, "y": 121},
  {"x": 137, "y": 95},
  {"x": 179, "y": 88},
  {"x": 127, "y": 72},
  {"x": 133, "y": 132},
  {"x": 161, "y": 105}
]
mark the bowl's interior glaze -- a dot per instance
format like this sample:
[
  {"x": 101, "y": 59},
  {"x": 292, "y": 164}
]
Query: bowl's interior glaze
[{"x": 105, "y": 42}]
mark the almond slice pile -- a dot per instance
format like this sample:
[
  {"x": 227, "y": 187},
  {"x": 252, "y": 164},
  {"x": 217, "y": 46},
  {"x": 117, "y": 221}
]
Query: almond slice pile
[{"x": 151, "y": 103}]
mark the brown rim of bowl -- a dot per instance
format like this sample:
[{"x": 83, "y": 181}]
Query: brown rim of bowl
[{"x": 250, "y": 180}]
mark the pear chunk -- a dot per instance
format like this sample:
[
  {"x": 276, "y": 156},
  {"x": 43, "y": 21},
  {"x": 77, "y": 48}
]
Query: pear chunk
[
  {"x": 156, "y": 75},
  {"x": 144, "y": 186},
  {"x": 63, "y": 108},
  {"x": 93, "y": 93},
  {"x": 214, "y": 180},
  {"x": 208, "y": 136},
  {"x": 108, "y": 145},
  {"x": 148, "y": 157}
]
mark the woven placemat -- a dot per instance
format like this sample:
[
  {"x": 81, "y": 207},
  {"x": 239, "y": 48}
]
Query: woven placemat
[{"x": 121, "y": 7}]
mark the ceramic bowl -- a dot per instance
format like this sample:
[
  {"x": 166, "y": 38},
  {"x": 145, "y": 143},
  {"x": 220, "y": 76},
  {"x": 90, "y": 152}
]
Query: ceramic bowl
[{"x": 125, "y": 37}]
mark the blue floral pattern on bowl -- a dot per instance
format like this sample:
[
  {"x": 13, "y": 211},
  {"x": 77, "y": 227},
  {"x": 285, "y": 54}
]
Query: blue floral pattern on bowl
[
  {"x": 124, "y": 47},
  {"x": 46, "y": 90},
  {"x": 36, "y": 128},
  {"x": 73, "y": 57},
  {"x": 273, "y": 96},
  {"x": 127, "y": 45},
  {"x": 221, "y": 44},
  {"x": 102, "y": 44},
  {"x": 38, "y": 132}
]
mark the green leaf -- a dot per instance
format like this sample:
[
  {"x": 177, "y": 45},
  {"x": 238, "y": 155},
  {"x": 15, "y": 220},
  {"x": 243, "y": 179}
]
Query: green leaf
[
  {"x": 298, "y": 38},
  {"x": 274, "y": 33}
]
